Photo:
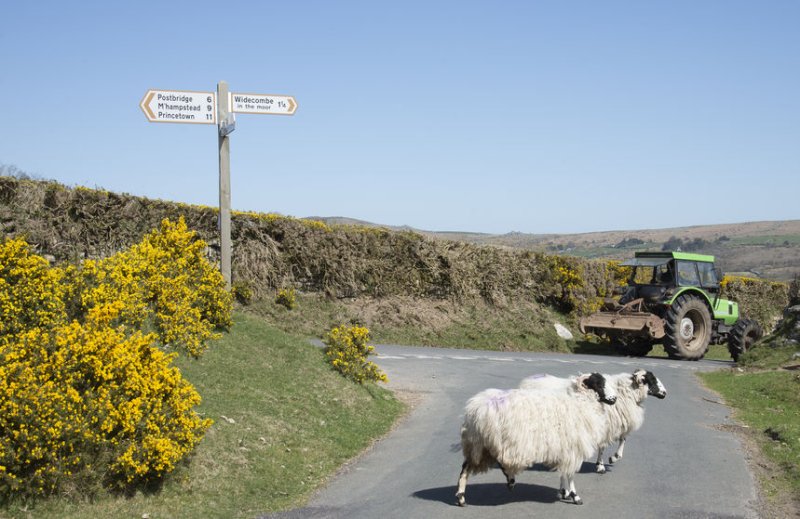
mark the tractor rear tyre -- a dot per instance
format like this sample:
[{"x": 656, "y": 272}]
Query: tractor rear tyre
[
  {"x": 742, "y": 336},
  {"x": 687, "y": 325}
]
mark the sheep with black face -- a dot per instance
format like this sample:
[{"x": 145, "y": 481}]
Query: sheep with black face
[
  {"x": 625, "y": 417},
  {"x": 518, "y": 428}
]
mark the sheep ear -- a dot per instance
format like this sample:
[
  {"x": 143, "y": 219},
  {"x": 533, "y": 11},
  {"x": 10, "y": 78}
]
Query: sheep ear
[
  {"x": 638, "y": 377},
  {"x": 580, "y": 381}
]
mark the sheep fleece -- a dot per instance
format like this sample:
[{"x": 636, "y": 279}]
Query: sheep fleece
[{"x": 521, "y": 427}]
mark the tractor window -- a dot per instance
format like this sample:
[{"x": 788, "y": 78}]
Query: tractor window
[
  {"x": 708, "y": 276},
  {"x": 643, "y": 275},
  {"x": 664, "y": 275},
  {"x": 687, "y": 274}
]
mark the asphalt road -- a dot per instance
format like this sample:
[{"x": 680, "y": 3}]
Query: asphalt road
[{"x": 679, "y": 464}]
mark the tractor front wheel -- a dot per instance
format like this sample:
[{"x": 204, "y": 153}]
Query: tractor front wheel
[
  {"x": 742, "y": 336},
  {"x": 687, "y": 325}
]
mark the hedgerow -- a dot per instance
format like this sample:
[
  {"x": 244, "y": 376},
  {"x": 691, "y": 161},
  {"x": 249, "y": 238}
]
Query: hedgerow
[
  {"x": 88, "y": 396},
  {"x": 340, "y": 261},
  {"x": 758, "y": 299}
]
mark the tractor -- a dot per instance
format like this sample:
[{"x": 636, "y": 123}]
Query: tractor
[{"x": 673, "y": 298}]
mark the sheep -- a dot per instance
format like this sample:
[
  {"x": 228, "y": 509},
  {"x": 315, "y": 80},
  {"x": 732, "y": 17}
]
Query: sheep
[
  {"x": 517, "y": 428},
  {"x": 625, "y": 417}
]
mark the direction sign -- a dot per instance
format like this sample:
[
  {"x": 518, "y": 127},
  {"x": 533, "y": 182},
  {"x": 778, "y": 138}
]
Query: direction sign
[
  {"x": 270, "y": 104},
  {"x": 180, "y": 106}
]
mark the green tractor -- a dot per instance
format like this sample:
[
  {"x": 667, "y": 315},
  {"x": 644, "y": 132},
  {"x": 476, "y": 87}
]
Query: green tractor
[{"x": 673, "y": 298}]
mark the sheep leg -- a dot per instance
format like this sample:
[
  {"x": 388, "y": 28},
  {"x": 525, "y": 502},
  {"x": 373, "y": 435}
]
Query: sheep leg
[
  {"x": 598, "y": 466},
  {"x": 568, "y": 489},
  {"x": 462, "y": 483},
  {"x": 618, "y": 455},
  {"x": 510, "y": 481}
]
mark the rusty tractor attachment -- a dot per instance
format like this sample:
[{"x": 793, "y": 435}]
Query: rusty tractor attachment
[{"x": 630, "y": 318}]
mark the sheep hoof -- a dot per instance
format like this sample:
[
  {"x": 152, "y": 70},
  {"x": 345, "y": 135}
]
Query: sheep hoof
[
  {"x": 511, "y": 484},
  {"x": 460, "y": 499},
  {"x": 613, "y": 459},
  {"x": 576, "y": 498},
  {"x": 600, "y": 468}
]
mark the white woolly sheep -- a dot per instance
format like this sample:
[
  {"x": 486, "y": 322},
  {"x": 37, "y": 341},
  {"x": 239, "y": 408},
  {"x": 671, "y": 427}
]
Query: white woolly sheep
[
  {"x": 625, "y": 417},
  {"x": 517, "y": 428}
]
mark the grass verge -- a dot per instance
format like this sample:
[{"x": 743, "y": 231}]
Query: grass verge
[
  {"x": 404, "y": 320},
  {"x": 767, "y": 403},
  {"x": 398, "y": 320},
  {"x": 284, "y": 422}
]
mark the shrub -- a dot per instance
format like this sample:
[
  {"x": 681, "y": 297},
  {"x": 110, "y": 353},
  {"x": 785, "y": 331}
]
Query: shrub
[
  {"x": 166, "y": 286},
  {"x": 347, "y": 350},
  {"x": 93, "y": 404},
  {"x": 87, "y": 398},
  {"x": 286, "y": 297},
  {"x": 758, "y": 299},
  {"x": 30, "y": 291},
  {"x": 242, "y": 292}
]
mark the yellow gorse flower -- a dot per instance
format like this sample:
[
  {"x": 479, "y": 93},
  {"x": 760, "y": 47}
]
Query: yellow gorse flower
[
  {"x": 86, "y": 390},
  {"x": 347, "y": 350}
]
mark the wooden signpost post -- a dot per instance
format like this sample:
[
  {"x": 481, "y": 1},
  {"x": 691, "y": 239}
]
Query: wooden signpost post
[{"x": 182, "y": 106}]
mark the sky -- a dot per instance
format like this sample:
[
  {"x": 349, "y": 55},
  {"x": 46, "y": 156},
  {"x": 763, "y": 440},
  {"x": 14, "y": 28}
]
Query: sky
[{"x": 496, "y": 117}]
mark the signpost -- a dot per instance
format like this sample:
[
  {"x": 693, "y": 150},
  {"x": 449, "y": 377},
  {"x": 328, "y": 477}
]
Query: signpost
[
  {"x": 181, "y": 106},
  {"x": 267, "y": 104},
  {"x": 225, "y": 243}
]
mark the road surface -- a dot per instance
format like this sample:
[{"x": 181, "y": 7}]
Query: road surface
[{"x": 680, "y": 464}]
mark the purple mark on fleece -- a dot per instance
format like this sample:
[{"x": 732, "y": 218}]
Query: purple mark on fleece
[{"x": 499, "y": 398}]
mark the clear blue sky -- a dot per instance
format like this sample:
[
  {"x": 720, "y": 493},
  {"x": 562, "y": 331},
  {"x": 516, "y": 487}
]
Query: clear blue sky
[{"x": 538, "y": 117}]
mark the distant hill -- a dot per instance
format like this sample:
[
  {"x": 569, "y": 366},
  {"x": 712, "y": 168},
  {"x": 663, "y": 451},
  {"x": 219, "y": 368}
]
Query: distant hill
[{"x": 758, "y": 249}]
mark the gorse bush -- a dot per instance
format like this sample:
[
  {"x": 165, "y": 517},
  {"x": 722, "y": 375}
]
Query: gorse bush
[
  {"x": 242, "y": 292},
  {"x": 346, "y": 349},
  {"x": 286, "y": 297},
  {"x": 30, "y": 291},
  {"x": 758, "y": 299},
  {"x": 88, "y": 398},
  {"x": 166, "y": 286},
  {"x": 85, "y": 402}
]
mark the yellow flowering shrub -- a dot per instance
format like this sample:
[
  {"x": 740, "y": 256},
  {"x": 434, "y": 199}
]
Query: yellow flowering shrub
[
  {"x": 567, "y": 276},
  {"x": 242, "y": 292},
  {"x": 86, "y": 393},
  {"x": 89, "y": 401},
  {"x": 286, "y": 297},
  {"x": 758, "y": 299},
  {"x": 166, "y": 285},
  {"x": 346, "y": 349},
  {"x": 29, "y": 290}
]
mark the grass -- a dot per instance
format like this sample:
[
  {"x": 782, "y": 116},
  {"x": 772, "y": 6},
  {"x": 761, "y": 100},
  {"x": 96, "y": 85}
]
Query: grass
[
  {"x": 523, "y": 327},
  {"x": 715, "y": 351},
  {"x": 766, "y": 399},
  {"x": 284, "y": 422}
]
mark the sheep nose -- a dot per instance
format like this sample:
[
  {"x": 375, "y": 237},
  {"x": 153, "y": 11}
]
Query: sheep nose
[{"x": 610, "y": 400}]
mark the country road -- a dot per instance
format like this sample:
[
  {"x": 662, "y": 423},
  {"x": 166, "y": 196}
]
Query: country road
[{"x": 681, "y": 463}]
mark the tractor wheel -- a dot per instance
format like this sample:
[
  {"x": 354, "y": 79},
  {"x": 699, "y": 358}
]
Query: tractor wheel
[
  {"x": 687, "y": 326},
  {"x": 741, "y": 338}
]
